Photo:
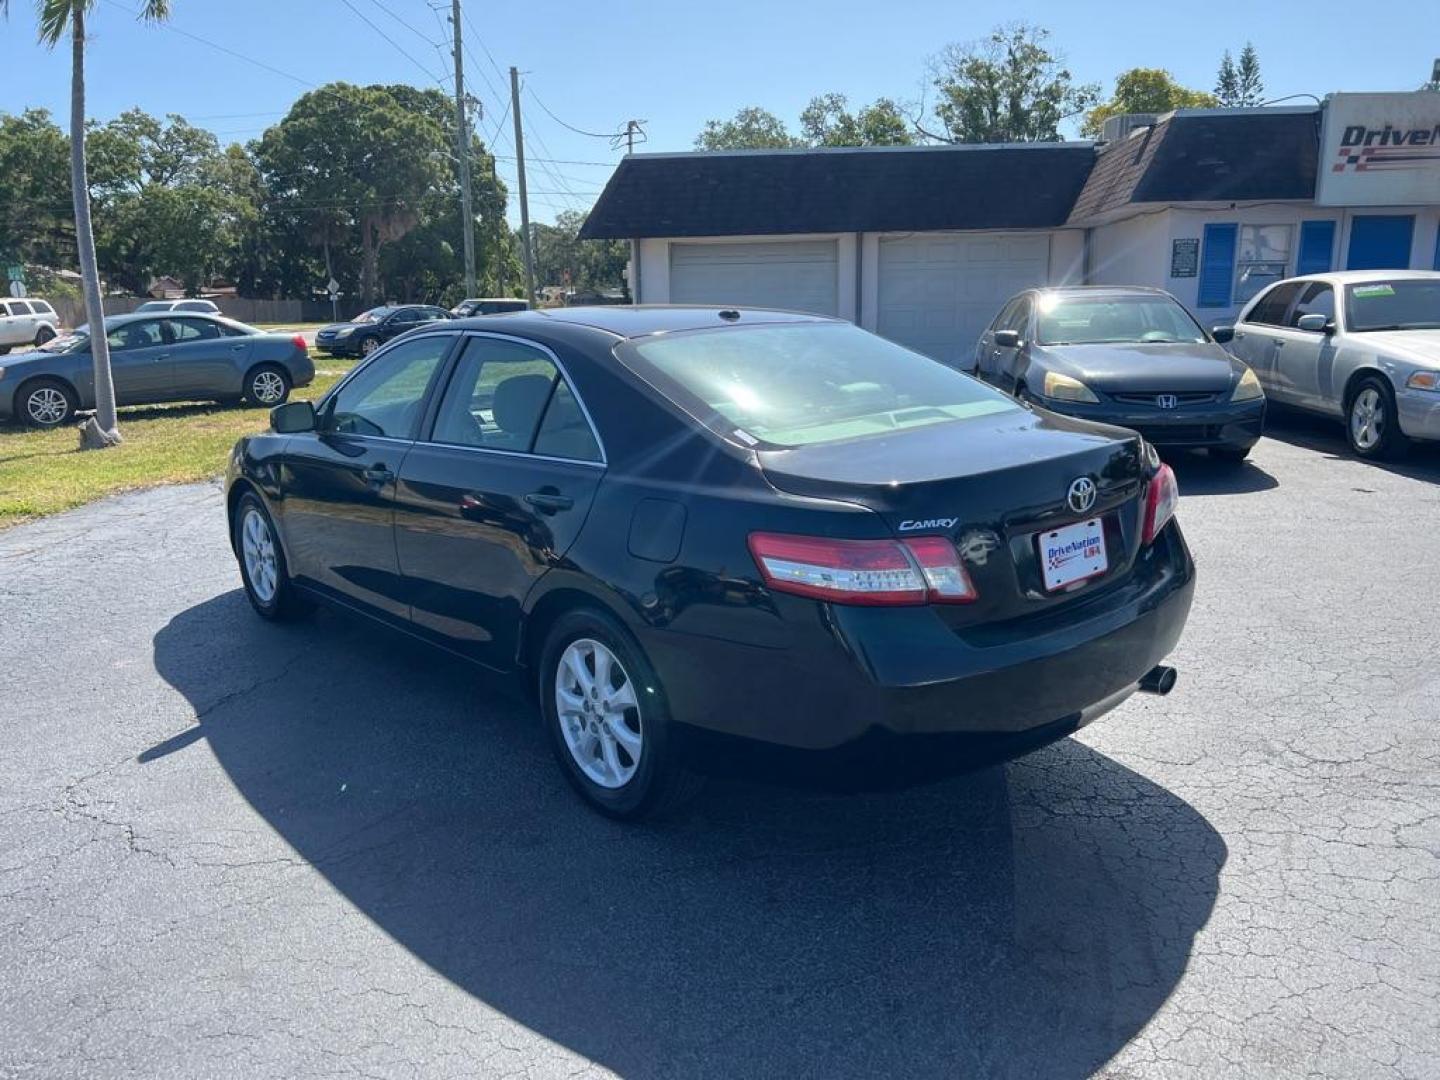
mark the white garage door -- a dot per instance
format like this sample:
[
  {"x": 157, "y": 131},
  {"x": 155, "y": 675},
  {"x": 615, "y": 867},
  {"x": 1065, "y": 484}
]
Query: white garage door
[
  {"x": 938, "y": 292},
  {"x": 800, "y": 275}
]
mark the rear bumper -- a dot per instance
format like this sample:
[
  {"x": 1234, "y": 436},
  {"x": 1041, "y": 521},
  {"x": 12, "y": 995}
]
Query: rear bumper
[
  {"x": 1227, "y": 425},
  {"x": 896, "y": 690},
  {"x": 1419, "y": 413}
]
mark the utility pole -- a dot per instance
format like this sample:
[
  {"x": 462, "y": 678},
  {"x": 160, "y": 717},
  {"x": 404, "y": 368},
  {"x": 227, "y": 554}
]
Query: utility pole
[
  {"x": 524, "y": 199},
  {"x": 462, "y": 151}
]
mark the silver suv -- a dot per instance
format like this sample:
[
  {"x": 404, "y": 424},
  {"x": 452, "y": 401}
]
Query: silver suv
[{"x": 26, "y": 322}]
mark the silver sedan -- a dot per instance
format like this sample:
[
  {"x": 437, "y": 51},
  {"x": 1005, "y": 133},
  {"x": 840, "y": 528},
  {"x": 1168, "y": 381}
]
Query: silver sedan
[
  {"x": 185, "y": 356},
  {"x": 1361, "y": 345}
]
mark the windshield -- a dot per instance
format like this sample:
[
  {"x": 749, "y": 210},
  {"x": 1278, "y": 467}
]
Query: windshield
[
  {"x": 1393, "y": 305},
  {"x": 71, "y": 342},
  {"x": 1112, "y": 319},
  {"x": 808, "y": 383},
  {"x": 373, "y": 315}
]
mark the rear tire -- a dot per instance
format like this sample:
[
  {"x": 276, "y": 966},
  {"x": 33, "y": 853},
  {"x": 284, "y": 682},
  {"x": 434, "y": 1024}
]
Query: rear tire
[
  {"x": 1372, "y": 422},
  {"x": 267, "y": 386},
  {"x": 262, "y": 563},
  {"x": 43, "y": 335},
  {"x": 46, "y": 403},
  {"x": 614, "y": 741}
]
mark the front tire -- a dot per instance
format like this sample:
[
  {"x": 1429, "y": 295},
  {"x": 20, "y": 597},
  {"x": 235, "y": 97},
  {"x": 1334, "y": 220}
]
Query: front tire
[
  {"x": 262, "y": 563},
  {"x": 267, "y": 386},
  {"x": 46, "y": 403},
  {"x": 367, "y": 346},
  {"x": 608, "y": 721},
  {"x": 1372, "y": 422}
]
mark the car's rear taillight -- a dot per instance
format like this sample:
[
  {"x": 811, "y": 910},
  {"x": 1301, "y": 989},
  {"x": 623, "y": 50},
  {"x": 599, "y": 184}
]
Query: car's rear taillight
[
  {"x": 916, "y": 571},
  {"x": 1161, "y": 497},
  {"x": 299, "y": 340}
]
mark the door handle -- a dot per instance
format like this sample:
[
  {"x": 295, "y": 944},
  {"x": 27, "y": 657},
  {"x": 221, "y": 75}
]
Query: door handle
[
  {"x": 548, "y": 502},
  {"x": 378, "y": 475},
  {"x": 1279, "y": 344}
]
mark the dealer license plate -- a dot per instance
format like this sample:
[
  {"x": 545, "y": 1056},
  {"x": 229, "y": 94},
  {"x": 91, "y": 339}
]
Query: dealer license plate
[{"x": 1074, "y": 553}]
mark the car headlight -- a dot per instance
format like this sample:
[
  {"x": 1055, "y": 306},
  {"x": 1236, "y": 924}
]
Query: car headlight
[
  {"x": 345, "y": 331},
  {"x": 1420, "y": 380},
  {"x": 1248, "y": 388},
  {"x": 1063, "y": 388}
]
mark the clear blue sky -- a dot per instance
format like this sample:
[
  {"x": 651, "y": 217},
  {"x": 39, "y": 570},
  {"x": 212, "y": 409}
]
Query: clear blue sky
[{"x": 674, "y": 64}]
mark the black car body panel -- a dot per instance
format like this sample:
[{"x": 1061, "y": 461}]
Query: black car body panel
[
  {"x": 656, "y": 532},
  {"x": 1175, "y": 394}
]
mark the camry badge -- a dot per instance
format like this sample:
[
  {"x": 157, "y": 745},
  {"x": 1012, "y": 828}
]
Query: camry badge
[
  {"x": 1081, "y": 495},
  {"x": 1166, "y": 401}
]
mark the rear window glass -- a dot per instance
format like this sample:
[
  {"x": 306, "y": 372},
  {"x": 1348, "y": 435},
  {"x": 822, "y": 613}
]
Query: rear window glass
[
  {"x": 1393, "y": 305},
  {"x": 807, "y": 383}
]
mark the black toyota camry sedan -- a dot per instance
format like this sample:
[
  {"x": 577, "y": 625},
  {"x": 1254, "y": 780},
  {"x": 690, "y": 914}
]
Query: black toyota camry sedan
[
  {"x": 1125, "y": 355},
  {"x": 710, "y": 538}
]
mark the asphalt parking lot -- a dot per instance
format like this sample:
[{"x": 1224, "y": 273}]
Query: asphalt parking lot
[{"x": 232, "y": 849}]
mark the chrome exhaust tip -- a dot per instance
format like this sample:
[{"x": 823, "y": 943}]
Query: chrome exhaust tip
[{"x": 1159, "y": 680}]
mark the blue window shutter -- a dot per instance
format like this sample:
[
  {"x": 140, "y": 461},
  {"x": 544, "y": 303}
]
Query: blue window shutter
[
  {"x": 1317, "y": 241},
  {"x": 1437, "y": 249},
  {"x": 1217, "y": 265},
  {"x": 1380, "y": 242}
]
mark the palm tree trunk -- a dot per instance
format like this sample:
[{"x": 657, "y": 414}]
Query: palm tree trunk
[{"x": 104, "y": 429}]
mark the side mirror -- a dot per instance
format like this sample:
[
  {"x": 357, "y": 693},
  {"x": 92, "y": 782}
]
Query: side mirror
[
  {"x": 292, "y": 417},
  {"x": 1007, "y": 339},
  {"x": 1222, "y": 334},
  {"x": 1315, "y": 323}
]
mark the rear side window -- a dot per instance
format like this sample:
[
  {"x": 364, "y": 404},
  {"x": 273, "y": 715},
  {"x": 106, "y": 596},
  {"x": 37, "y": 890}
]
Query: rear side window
[
  {"x": 41, "y": 307},
  {"x": 792, "y": 385},
  {"x": 183, "y": 330},
  {"x": 497, "y": 396},
  {"x": 564, "y": 431},
  {"x": 1270, "y": 311}
]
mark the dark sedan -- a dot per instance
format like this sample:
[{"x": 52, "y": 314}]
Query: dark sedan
[
  {"x": 711, "y": 538},
  {"x": 177, "y": 357},
  {"x": 369, "y": 330},
  {"x": 1128, "y": 356}
]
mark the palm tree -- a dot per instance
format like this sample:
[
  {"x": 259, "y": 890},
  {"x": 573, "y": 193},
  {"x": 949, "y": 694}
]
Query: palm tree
[{"x": 56, "y": 18}]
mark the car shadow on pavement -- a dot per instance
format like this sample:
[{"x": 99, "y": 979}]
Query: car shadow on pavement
[
  {"x": 1200, "y": 474},
  {"x": 1022, "y": 921},
  {"x": 1327, "y": 437}
]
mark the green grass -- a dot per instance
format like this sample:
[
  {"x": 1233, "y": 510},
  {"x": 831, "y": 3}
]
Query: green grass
[
  {"x": 42, "y": 472},
  {"x": 303, "y": 327}
]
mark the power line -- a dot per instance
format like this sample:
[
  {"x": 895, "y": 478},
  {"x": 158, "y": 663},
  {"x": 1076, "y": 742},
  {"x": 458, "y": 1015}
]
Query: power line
[
  {"x": 221, "y": 48},
  {"x": 397, "y": 46},
  {"x": 570, "y": 127}
]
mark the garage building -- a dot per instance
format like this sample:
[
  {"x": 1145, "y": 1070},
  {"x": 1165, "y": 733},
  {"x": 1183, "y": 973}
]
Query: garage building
[{"x": 924, "y": 244}]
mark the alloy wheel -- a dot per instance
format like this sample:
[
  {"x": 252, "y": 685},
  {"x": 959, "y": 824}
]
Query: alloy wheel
[
  {"x": 268, "y": 387},
  {"x": 1367, "y": 418},
  {"x": 257, "y": 547},
  {"x": 368, "y": 346},
  {"x": 46, "y": 405},
  {"x": 599, "y": 713}
]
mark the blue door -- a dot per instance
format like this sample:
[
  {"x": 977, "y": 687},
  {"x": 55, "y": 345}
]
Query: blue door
[{"x": 1380, "y": 242}]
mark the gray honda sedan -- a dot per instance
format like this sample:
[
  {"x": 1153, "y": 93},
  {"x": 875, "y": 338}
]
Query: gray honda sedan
[{"x": 153, "y": 358}]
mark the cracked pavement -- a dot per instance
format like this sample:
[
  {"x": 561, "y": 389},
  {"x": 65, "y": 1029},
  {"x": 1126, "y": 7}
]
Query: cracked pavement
[{"x": 234, "y": 849}]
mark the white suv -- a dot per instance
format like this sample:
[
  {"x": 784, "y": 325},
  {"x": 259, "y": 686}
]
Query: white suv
[{"x": 26, "y": 322}]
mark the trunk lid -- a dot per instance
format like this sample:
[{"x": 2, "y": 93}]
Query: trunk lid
[{"x": 991, "y": 484}]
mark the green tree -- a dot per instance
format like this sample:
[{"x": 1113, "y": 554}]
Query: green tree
[
  {"x": 562, "y": 258},
  {"x": 57, "y": 18},
  {"x": 1145, "y": 90},
  {"x": 827, "y": 121},
  {"x": 751, "y": 128},
  {"x": 1240, "y": 85},
  {"x": 365, "y": 153},
  {"x": 1008, "y": 87},
  {"x": 35, "y": 225}
]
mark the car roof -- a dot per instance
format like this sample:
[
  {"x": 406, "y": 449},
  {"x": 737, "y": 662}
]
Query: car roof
[
  {"x": 640, "y": 320},
  {"x": 1101, "y": 290},
  {"x": 1357, "y": 277},
  {"x": 137, "y": 316}
]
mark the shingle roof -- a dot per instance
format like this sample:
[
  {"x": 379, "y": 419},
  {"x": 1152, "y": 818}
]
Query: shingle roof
[
  {"x": 1207, "y": 156},
  {"x": 891, "y": 189}
]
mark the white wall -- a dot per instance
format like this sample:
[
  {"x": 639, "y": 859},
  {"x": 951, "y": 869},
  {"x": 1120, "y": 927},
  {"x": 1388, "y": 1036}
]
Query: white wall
[{"x": 1135, "y": 251}]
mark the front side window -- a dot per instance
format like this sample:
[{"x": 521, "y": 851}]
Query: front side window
[
  {"x": 792, "y": 385},
  {"x": 1261, "y": 259},
  {"x": 1271, "y": 308},
  {"x": 20, "y": 307},
  {"x": 386, "y": 395},
  {"x": 1317, "y": 299},
  {"x": 1412, "y": 304},
  {"x": 1085, "y": 320},
  {"x": 1002, "y": 321}
]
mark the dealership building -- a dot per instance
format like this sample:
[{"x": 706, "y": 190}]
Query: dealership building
[{"x": 924, "y": 244}]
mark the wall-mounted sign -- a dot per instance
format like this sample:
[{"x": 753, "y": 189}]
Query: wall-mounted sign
[
  {"x": 1184, "y": 257},
  {"x": 1380, "y": 150}
]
